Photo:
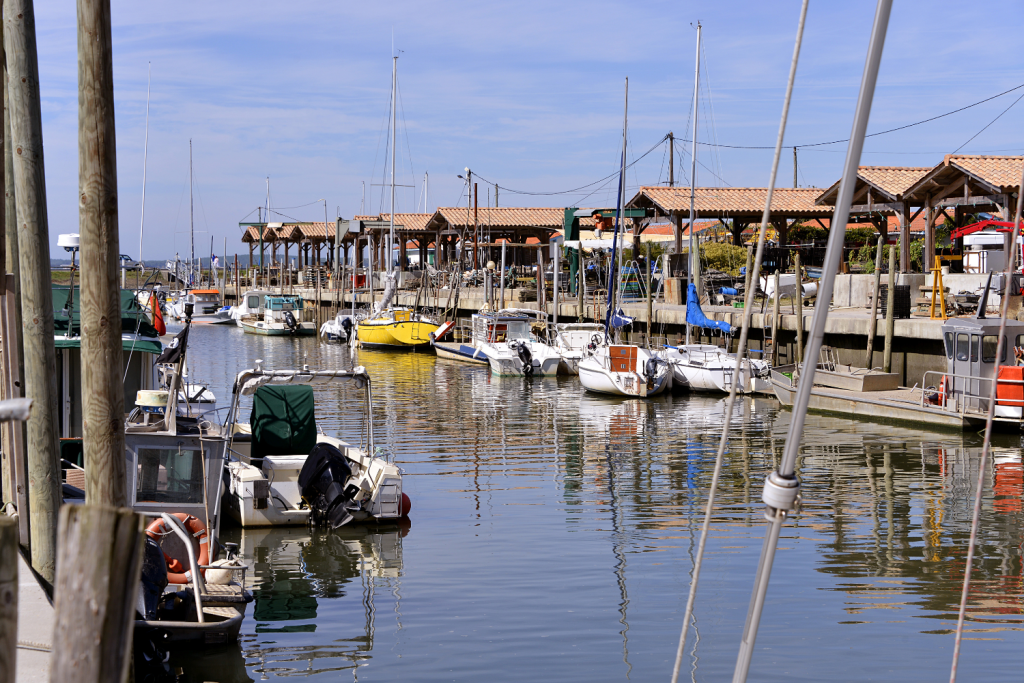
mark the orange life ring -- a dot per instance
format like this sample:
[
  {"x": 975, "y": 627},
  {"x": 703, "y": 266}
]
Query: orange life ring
[
  {"x": 943, "y": 391},
  {"x": 176, "y": 573}
]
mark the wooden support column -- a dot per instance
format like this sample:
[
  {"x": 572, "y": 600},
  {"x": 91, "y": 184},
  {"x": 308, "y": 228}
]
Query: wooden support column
[
  {"x": 8, "y": 599},
  {"x": 102, "y": 359},
  {"x": 928, "y": 257},
  {"x": 402, "y": 248},
  {"x": 36, "y": 296},
  {"x": 905, "y": 238},
  {"x": 738, "y": 227},
  {"x": 97, "y": 585}
]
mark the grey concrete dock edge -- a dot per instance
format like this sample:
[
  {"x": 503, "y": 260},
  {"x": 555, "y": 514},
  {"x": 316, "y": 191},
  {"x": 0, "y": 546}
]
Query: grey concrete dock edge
[{"x": 35, "y": 627}]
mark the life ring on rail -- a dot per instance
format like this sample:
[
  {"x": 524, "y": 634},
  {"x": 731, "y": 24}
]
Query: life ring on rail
[
  {"x": 176, "y": 573},
  {"x": 943, "y": 391}
]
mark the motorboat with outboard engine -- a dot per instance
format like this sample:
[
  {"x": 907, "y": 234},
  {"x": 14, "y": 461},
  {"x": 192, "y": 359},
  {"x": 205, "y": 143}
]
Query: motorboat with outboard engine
[
  {"x": 625, "y": 370},
  {"x": 339, "y": 329},
  {"x": 283, "y": 470},
  {"x": 281, "y": 316},
  {"x": 250, "y": 306},
  {"x": 511, "y": 347},
  {"x": 207, "y": 307}
]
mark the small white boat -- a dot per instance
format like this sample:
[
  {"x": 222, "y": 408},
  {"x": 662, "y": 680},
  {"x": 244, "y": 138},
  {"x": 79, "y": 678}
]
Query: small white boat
[
  {"x": 283, "y": 471},
  {"x": 339, "y": 329},
  {"x": 250, "y": 306},
  {"x": 281, "y": 317},
  {"x": 511, "y": 347},
  {"x": 576, "y": 341},
  {"x": 705, "y": 367},
  {"x": 206, "y": 307},
  {"x": 625, "y": 371}
]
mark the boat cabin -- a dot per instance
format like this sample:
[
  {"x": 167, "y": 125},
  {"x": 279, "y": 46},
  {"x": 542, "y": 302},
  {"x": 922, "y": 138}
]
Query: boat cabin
[
  {"x": 970, "y": 346},
  {"x": 497, "y": 329}
]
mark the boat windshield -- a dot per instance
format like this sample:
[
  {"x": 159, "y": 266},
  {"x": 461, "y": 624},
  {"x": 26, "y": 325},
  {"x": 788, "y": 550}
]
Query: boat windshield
[{"x": 169, "y": 475}]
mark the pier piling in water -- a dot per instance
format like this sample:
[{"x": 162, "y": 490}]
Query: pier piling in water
[
  {"x": 873, "y": 322},
  {"x": 8, "y": 599},
  {"x": 890, "y": 327},
  {"x": 36, "y": 296}
]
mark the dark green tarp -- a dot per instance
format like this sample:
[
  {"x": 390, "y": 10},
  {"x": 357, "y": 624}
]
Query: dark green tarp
[
  {"x": 133, "y": 316},
  {"x": 282, "y": 420}
]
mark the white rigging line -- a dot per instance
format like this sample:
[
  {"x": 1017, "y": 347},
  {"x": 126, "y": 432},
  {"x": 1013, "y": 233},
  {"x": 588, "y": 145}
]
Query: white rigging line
[{"x": 749, "y": 304}]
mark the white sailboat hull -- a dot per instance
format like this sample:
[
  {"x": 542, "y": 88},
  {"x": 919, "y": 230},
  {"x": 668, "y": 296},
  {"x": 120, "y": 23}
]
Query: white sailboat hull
[
  {"x": 702, "y": 367},
  {"x": 597, "y": 375}
]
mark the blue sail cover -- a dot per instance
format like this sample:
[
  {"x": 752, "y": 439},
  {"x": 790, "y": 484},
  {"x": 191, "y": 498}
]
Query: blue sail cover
[
  {"x": 696, "y": 317},
  {"x": 619, "y": 319}
]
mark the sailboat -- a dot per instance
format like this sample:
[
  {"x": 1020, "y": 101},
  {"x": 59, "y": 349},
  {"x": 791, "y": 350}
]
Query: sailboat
[
  {"x": 622, "y": 369},
  {"x": 706, "y": 367},
  {"x": 393, "y": 327}
]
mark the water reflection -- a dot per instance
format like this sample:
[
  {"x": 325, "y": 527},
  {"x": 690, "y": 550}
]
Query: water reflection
[{"x": 305, "y": 580}]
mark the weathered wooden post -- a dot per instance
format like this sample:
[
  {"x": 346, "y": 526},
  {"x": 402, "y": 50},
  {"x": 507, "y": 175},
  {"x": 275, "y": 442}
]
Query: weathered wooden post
[
  {"x": 775, "y": 321},
  {"x": 746, "y": 271},
  {"x": 650, "y": 299},
  {"x": 8, "y": 599},
  {"x": 99, "y": 564},
  {"x": 890, "y": 323},
  {"x": 799, "y": 307},
  {"x": 102, "y": 361},
  {"x": 873, "y": 318},
  {"x": 36, "y": 296}
]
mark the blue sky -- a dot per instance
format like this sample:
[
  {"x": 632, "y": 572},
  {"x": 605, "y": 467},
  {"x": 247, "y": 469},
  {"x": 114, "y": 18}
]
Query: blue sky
[{"x": 528, "y": 94}]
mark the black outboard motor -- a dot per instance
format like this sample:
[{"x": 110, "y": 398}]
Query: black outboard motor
[
  {"x": 346, "y": 325},
  {"x": 526, "y": 358},
  {"x": 154, "y": 580},
  {"x": 289, "y": 320},
  {"x": 322, "y": 486}
]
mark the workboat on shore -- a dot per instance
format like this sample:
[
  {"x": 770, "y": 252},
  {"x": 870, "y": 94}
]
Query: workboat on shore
[
  {"x": 956, "y": 398},
  {"x": 280, "y": 316},
  {"x": 574, "y": 342},
  {"x": 625, "y": 370},
  {"x": 284, "y": 471},
  {"x": 512, "y": 349}
]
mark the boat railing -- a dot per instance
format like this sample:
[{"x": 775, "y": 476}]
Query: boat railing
[{"x": 964, "y": 397}]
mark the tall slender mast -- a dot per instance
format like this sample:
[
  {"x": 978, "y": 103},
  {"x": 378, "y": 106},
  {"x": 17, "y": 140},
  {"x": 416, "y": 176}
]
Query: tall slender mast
[
  {"x": 266, "y": 222},
  {"x": 191, "y": 222},
  {"x": 145, "y": 153},
  {"x": 394, "y": 143},
  {"x": 618, "y": 216},
  {"x": 426, "y": 189},
  {"x": 694, "y": 256}
]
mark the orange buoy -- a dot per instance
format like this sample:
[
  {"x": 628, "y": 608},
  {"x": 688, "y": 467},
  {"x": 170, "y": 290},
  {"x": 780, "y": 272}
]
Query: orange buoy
[
  {"x": 195, "y": 527},
  {"x": 403, "y": 509}
]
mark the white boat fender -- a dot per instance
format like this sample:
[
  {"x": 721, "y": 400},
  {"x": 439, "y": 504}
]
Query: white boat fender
[{"x": 222, "y": 577}]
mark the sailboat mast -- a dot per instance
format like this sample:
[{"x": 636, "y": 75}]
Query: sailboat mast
[
  {"x": 145, "y": 154},
  {"x": 694, "y": 255},
  {"x": 394, "y": 144},
  {"x": 618, "y": 216},
  {"x": 191, "y": 221}
]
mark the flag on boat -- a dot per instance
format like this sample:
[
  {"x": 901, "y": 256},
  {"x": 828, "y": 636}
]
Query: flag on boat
[
  {"x": 158, "y": 316},
  {"x": 176, "y": 349}
]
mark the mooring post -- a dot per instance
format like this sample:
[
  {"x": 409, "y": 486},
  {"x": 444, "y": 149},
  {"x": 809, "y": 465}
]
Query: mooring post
[
  {"x": 890, "y": 322},
  {"x": 650, "y": 300},
  {"x": 99, "y": 565},
  {"x": 102, "y": 360},
  {"x": 8, "y": 599},
  {"x": 872, "y": 319},
  {"x": 799, "y": 307},
  {"x": 36, "y": 296},
  {"x": 775, "y": 321}
]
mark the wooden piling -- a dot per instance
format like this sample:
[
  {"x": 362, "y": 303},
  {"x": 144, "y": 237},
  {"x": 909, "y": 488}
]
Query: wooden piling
[
  {"x": 775, "y": 321},
  {"x": 890, "y": 323},
  {"x": 99, "y": 565},
  {"x": 8, "y": 599},
  {"x": 799, "y": 307},
  {"x": 650, "y": 300},
  {"x": 873, "y": 318},
  {"x": 36, "y": 296},
  {"x": 102, "y": 360}
]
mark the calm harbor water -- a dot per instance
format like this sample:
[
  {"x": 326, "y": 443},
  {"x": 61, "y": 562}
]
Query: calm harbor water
[{"x": 552, "y": 536}]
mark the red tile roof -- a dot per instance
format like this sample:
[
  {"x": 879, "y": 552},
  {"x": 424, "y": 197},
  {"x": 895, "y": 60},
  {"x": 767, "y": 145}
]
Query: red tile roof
[{"x": 727, "y": 201}]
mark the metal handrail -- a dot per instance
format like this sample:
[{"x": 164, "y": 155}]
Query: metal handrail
[{"x": 963, "y": 393}]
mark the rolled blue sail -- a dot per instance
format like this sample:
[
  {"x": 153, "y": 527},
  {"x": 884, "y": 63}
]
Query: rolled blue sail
[
  {"x": 695, "y": 316},
  {"x": 728, "y": 290}
]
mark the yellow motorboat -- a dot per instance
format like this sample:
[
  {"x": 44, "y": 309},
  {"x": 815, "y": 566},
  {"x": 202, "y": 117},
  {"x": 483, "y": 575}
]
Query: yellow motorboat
[{"x": 396, "y": 328}]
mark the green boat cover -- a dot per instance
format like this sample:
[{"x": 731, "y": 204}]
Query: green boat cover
[
  {"x": 283, "y": 420},
  {"x": 133, "y": 317}
]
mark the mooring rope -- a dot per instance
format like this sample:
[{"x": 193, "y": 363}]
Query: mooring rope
[
  {"x": 748, "y": 305},
  {"x": 1000, "y": 349}
]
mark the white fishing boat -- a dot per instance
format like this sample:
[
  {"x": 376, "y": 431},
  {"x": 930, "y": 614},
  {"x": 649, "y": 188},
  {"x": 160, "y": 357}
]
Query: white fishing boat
[
  {"x": 705, "y": 367},
  {"x": 511, "y": 347},
  {"x": 250, "y": 306},
  {"x": 207, "y": 307},
  {"x": 576, "y": 341},
  {"x": 281, "y": 317},
  {"x": 284, "y": 471},
  {"x": 625, "y": 371}
]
